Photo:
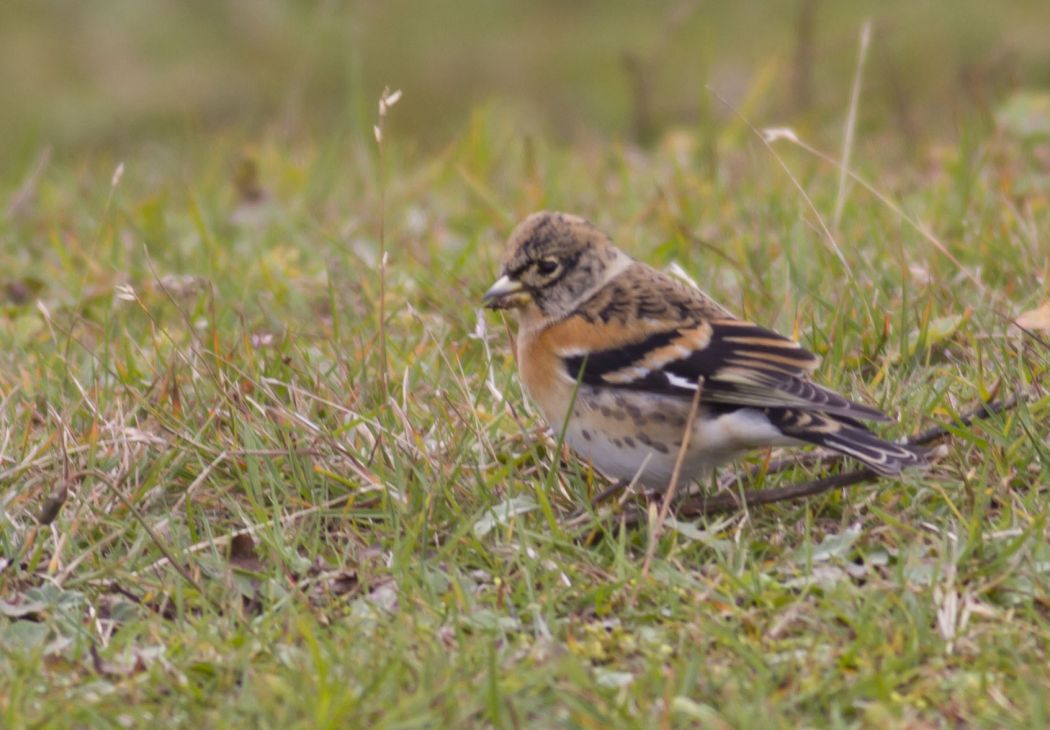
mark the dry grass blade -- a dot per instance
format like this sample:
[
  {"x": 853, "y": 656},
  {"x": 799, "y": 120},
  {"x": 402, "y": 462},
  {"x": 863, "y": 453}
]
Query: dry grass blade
[
  {"x": 676, "y": 473},
  {"x": 851, "y": 124},
  {"x": 25, "y": 192},
  {"x": 917, "y": 225},
  {"x": 828, "y": 235}
]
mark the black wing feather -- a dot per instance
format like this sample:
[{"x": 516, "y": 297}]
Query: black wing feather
[{"x": 741, "y": 364}]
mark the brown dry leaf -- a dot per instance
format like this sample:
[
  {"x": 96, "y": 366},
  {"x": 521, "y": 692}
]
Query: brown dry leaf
[
  {"x": 344, "y": 581},
  {"x": 22, "y": 291},
  {"x": 1035, "y": 319},
  {"x": 242, "y": 554}
]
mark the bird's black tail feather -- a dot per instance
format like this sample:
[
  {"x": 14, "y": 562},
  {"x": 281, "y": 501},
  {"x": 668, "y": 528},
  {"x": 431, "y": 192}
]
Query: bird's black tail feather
[{"x": 848, "y": 437}]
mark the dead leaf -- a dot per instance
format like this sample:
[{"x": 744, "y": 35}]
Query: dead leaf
[
  {"x": 343, "y": 582},
  {"x": 242, "y": 554},
  {"x": 54, "y": 503},
  {"x": 22, "y": 291},
  {"x": 1035, "y": 319}
]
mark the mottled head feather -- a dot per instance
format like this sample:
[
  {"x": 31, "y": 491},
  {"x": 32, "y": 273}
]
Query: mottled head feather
[
  {"x": 559, "y": 259},
  {"x": 549, "y": 233}
]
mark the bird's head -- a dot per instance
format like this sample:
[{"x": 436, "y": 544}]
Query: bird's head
[{"x": 553, "y": 261}]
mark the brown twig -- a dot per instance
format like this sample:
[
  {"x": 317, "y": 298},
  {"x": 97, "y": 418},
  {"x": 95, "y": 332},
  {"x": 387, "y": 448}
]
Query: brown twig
[{"x": 824, "y": 457}]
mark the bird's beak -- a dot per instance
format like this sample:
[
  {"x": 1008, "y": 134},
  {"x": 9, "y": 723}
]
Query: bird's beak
[{"x": 506, "y": 293}]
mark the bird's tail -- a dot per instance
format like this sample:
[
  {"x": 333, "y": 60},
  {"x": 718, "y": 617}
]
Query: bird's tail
[{"x": 848, "y": 437}]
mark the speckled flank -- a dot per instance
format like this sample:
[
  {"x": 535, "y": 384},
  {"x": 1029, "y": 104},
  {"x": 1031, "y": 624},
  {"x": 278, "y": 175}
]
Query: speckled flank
[{"x": 616, "y": 444}]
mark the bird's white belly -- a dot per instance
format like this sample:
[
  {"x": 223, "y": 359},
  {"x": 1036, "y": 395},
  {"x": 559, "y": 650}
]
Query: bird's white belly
[
  {"x": 641, "y": 436},
  {"x": 621, "y": 461}
]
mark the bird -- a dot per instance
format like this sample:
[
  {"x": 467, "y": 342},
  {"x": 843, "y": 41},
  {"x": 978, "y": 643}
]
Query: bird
[{"x": 614, "y": 353}]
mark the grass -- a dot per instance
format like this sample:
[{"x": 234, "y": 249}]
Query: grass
[{"x": 249, "y": 530}]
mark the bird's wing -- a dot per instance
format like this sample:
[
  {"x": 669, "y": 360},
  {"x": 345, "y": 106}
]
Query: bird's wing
[{"x": 645, "y": 331}]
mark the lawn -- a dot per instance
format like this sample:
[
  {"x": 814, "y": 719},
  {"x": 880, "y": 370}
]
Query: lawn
[{"x": 250, "y": 476}]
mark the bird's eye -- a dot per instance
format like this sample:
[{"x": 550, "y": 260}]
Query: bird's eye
[{"x": 546, "y": 267}]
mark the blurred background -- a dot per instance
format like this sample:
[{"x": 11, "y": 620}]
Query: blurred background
[{"x": 101, "y": 76}]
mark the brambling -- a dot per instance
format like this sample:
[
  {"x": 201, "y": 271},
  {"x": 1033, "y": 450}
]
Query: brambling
[{"x": 615, "y": 352}]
